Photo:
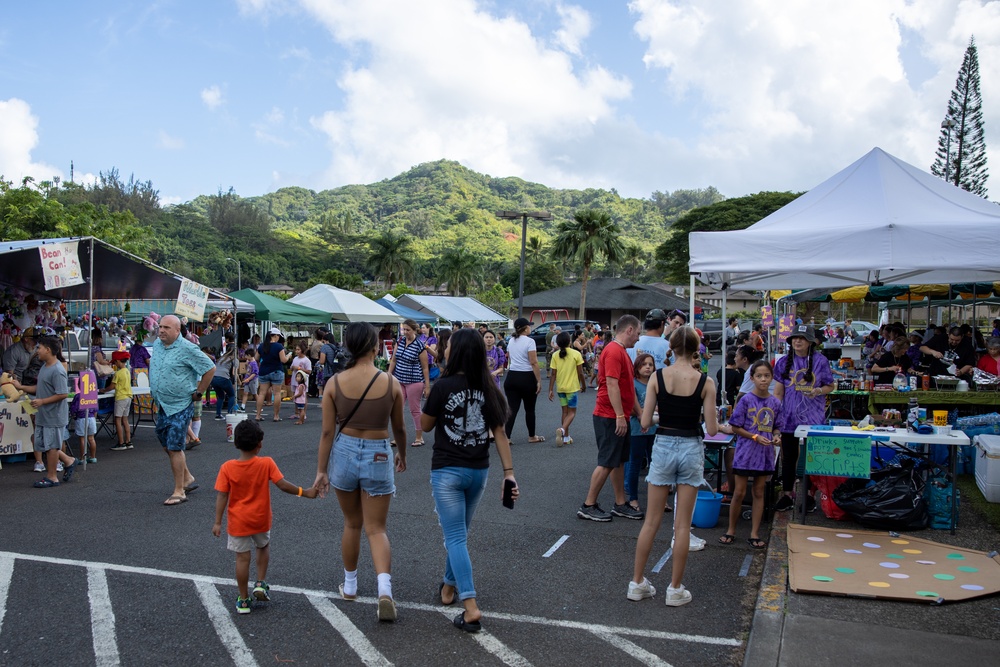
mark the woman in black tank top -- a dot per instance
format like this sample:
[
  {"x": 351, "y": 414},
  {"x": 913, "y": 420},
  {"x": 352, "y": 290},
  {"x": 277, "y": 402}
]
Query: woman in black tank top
[{"x": 681, "y": 393}]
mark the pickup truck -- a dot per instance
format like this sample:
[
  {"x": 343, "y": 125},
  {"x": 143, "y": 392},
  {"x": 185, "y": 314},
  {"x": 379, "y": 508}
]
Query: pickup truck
[
  {"x": 713, "y": 331},
  {"x": 76, "y": 348}
]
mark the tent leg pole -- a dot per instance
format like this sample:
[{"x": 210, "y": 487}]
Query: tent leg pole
[{"x": 691, "y": 301}]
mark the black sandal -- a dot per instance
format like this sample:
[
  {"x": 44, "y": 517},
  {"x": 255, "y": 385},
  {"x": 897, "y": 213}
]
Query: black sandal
[
  {"x": 756, "y": 543},
  {"x": 462, "y": 624},
  {"x": 727, "y": 539}
]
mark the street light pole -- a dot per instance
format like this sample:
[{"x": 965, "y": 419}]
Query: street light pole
[
  {"x": 239, "y": 272},
  {"x": 948, "y": 124},
  {"x": 524, "y": 215}
]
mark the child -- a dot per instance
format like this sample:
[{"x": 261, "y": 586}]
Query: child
[
  {"x": 301, "y": 386},
  {"x": 641, "y": 448},
  {"x": 753, "y": 421},
  {"x": 248, "y": 384},
  {"x": 85, "y": 427},
  {"x": 122, "y": 382},
  {"x": 242, "y": 487},
  {"x": 567, "y": 378},
  {"x": 51, "y": 391}
]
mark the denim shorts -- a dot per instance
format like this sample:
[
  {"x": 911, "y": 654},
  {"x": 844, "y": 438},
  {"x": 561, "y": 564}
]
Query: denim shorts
[
  {"x": 277, "y": 377},
  {"x": 360, "y": 463},
  {"x": 85, "y": 426},
  {"x": 677, "y": 460}
]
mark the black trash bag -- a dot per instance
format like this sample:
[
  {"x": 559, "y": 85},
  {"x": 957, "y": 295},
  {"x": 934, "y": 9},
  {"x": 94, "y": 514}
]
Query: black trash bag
[{"x": 892, "y": 500}]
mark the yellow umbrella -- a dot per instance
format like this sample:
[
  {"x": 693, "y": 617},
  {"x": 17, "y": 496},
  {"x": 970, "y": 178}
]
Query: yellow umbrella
[{"x": 854, "y": 294}]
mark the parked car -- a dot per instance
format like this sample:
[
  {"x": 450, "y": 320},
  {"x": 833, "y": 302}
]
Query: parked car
[
  {"x": 712, "y": 329},
  {"x": 538, "y": 333},
  {"x": 76, "y": 348},
  {"x": 863, "y": 328}
]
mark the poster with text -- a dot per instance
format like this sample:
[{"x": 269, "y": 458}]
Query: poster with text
[
  {"x": 86, "y": 387},
  {"x": 60, "y": 265},
  {"x": 191, "y": 301},
  {"x": 15, "y": 429},
  {"x": 766, "y": 317},
  {"x": 785, "y": 325}
]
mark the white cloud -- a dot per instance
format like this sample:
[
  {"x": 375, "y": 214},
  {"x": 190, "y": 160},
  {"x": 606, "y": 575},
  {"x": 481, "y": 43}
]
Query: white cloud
[
  {"x": 212, "y": 97},
  {"x": 18, "y": 138},
  {"x": 266, "y": 130},
  {"x": 575, "y": 27},
  {"x": 167, "y": 142},
  {"x": 470, "y": 86}
]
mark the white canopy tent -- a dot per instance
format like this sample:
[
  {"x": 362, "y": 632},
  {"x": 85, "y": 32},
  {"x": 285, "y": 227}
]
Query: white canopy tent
[
  {"x": 345, "y": 306},
  {"x": 879, "y": 221},
  {"x": 452, "y": 308}
]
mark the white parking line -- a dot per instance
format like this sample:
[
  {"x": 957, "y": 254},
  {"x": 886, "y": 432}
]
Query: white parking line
[
  {"x": 6, "y": 571},
  {"x": 350, "y": 632},
  {"x": 102, "y": 618},
  {"x": 504, "y": 653},
  {"x": 555, "y": 546},
  {"x": 223, "y": 624},
  {"x": 663, "y": 561},
  {"x": 634, "y": 650}
]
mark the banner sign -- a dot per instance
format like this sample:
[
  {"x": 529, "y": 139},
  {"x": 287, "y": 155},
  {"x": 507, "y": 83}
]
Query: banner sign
[
  {"x": 60, "y": 265},
  {"x": 785, "y": 325},
  {"x": 85, "y": 387},
  {"x": 192, "y": 300},
  {"x": 15, "y": 429},
  {"x": 839, "y": 456},
  {"x": 766, "y": 317}
]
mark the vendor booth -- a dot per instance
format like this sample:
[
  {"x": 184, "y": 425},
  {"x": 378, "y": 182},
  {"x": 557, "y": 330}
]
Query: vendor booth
[
  {"x": 269, "y": 308},
  {"x": 453, "y": 308},
  {"x": 345, "y": 306}
]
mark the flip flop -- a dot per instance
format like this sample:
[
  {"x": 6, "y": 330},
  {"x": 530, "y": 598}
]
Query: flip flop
[
  {"x": 417, "y": 443},
  {"x": 537, "y": 438},
  {"x": 276, "y": 420},
  {"x": 177, "y": 500},
  {"x": 756, "y": 543},
  {"x": 190, "y": 487},
  {"x": 461, "y": 624},
  {"x": 727, "y": 539},
  {"x": 45, "y": 483}
]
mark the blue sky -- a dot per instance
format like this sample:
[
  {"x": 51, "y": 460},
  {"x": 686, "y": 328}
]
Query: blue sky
[{"x": 743, "y": 95}]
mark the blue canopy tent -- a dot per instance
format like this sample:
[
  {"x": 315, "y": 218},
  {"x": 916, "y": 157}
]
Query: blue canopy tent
[{"x": 407, "y": 313}]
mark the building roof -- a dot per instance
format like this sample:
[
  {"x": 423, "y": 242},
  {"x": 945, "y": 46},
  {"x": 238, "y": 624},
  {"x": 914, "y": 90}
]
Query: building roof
[
  {"x": 610, "y": 294},
  {"x": 275, "y": 288}
]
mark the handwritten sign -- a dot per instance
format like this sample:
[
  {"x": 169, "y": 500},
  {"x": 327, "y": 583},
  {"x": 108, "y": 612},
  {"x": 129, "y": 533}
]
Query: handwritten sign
[
  {"x": 785, "y": 325},
  {"x": 839, "y": 456},
  {"x": 86, "y": 387},
  {"x": 191, "y": 300},
  {"x": 15, "y": 429},
  {"x": 60, "y": 265},
  {"x": 766, "y": 317}
]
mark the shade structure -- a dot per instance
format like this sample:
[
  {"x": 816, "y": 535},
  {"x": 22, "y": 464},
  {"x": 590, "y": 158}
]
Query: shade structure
[
  {"x": 878, "y": 221},
  {"x": 272, "y": 309},
  {"x": 407, "y": 313},
  {"x": 452, "y": 308},
  {"x": 345, "y": 306}
]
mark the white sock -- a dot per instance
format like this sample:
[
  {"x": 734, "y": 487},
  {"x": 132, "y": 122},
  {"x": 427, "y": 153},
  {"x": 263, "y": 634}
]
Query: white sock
[
  {"x": 350, "y": 582},
  {"x": 196, "y": 428},
  {"x": 565, "y": 438},
  {"x": 385, "y": 584}
]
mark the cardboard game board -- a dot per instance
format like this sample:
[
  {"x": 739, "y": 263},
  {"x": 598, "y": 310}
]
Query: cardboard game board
[{"x": 877, "y": 564}]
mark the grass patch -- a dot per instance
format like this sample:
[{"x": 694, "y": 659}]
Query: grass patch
[{"x": 972, "y": 496}]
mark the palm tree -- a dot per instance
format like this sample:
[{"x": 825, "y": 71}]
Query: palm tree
[
  {"x": 392, "y": 256},
  {"x": 589, "y": 235},
  {"x": 534, "y": 248},
  {"x": 634, "y": 254},
  {"x": 459, "y": 268}
]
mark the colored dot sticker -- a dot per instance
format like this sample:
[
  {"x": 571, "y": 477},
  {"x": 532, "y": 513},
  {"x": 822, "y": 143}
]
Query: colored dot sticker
[
  {"x": 956, "y": 557},
  {"x": 845, "y": 570},
  {"x": 928, "y": 594},
  {"x": 899, "y": 575},
  {"x": 851, "y": 551},
  {"x": 891, "y": 566},
  {"x": 972, "y": 587},
  {"x": 878, "y": 584},
  {"x": 912, "y": 551},
  {"x": 820, "y": 554},
  {"x": 896, "y": 556},
  {"x": 966, "y": 568},
  {"x": 944, "y": 577},
  {"x": 900, "y": 541},
  {"x": 816, "y": 539},
  {"x": 845, "y": 535},
  {"x": 926, "y": 562},
  {"x": 818, "y": 578},
  {"x": 872, "y": 545}
]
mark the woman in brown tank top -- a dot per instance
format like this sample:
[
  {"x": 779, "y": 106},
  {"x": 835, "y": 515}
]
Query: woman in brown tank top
[{"x": 363, "y": 460}]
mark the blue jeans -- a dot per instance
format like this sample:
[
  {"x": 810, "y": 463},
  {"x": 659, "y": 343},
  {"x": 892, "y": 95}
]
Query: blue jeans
[
  {"x": 457, "y": 492},
  {"x": 223, "y": 391},
  {"x": 641, "y": 452}
]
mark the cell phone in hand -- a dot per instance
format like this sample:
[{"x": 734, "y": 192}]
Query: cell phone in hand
[{"x": 508, "y": 493}]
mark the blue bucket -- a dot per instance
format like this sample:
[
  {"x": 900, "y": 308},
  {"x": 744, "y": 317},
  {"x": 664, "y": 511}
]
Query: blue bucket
[{"x": 707, "y": 509}]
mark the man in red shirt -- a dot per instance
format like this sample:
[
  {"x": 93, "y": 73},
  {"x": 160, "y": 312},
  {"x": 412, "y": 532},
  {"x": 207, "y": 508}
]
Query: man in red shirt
[{"x": 615, "y": 400}]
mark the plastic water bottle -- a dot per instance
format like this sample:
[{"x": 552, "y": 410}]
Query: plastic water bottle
[{"x": 913, "y": 415}]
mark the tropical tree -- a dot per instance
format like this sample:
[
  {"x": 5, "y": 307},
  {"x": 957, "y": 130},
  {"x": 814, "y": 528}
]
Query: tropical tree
[
  {"x": 961, "y": 153},
  {"x": 459, "y": 268},
  {"x": 534, "y": 248},
  {"x": 392, "y": 256},
  {"x": 589, "y": 236},
  {"x": 634, "y": 256}
]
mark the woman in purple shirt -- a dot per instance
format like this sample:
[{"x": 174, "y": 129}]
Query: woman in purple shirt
[
  {"x": 496, "y": 359},
  {"x": 802, "y": 381}
]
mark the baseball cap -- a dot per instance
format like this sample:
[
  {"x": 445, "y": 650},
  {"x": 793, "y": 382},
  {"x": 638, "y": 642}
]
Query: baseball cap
[
  {"x": 803, "y": 331},
  {"x": 521, "y": 322},
  {"x": 275, "y": 332},
  {"x": 656, "y": 314}
]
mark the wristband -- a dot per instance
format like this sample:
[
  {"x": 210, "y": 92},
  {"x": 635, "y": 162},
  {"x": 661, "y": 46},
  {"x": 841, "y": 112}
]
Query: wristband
[
  {"x": 300, "y": 492},
  {"x": 508, "y": 470},
  {"x": 619, "y": 416},
  {"x": 754, "y": 438}
]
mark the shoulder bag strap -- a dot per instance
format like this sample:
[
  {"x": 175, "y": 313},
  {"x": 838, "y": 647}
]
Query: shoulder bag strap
[{"x": 358, "y": 404}]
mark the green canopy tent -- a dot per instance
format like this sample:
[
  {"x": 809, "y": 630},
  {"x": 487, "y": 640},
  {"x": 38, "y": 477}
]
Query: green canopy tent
[{"x": 272, "y": 309}]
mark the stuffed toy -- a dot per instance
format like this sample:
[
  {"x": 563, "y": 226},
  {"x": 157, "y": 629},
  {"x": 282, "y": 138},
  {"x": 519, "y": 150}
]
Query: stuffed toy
[
  {"x": 150, "y": 325},
  {"x": 11, "y": 393}
]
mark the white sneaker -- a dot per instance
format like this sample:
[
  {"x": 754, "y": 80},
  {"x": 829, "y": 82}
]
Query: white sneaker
[
  {"x": 59, "y": 467},
  {"x": 694, "y": 544},
  {"x": 677, "y": 596},
  {"x": 39, "y": 466},
  {"x": 640, "y": 591}
]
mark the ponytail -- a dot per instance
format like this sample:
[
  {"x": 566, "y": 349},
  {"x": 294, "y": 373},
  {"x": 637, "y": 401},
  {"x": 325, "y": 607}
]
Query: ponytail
[{"x": 563, "y": 341}]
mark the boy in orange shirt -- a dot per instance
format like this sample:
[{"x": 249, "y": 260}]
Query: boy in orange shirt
[{"x": 243, "y": 487}]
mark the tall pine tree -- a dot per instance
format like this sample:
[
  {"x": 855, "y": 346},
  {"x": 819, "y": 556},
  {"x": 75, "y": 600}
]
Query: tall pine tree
[{"x": 967, "y": 149}]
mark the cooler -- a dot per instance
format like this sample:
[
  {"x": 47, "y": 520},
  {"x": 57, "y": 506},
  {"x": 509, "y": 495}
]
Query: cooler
[{"x": 988, "y": 466}]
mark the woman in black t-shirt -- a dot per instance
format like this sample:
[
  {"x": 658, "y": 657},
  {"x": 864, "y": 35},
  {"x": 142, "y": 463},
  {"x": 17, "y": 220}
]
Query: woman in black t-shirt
[{"x": 464, "y": 407}]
